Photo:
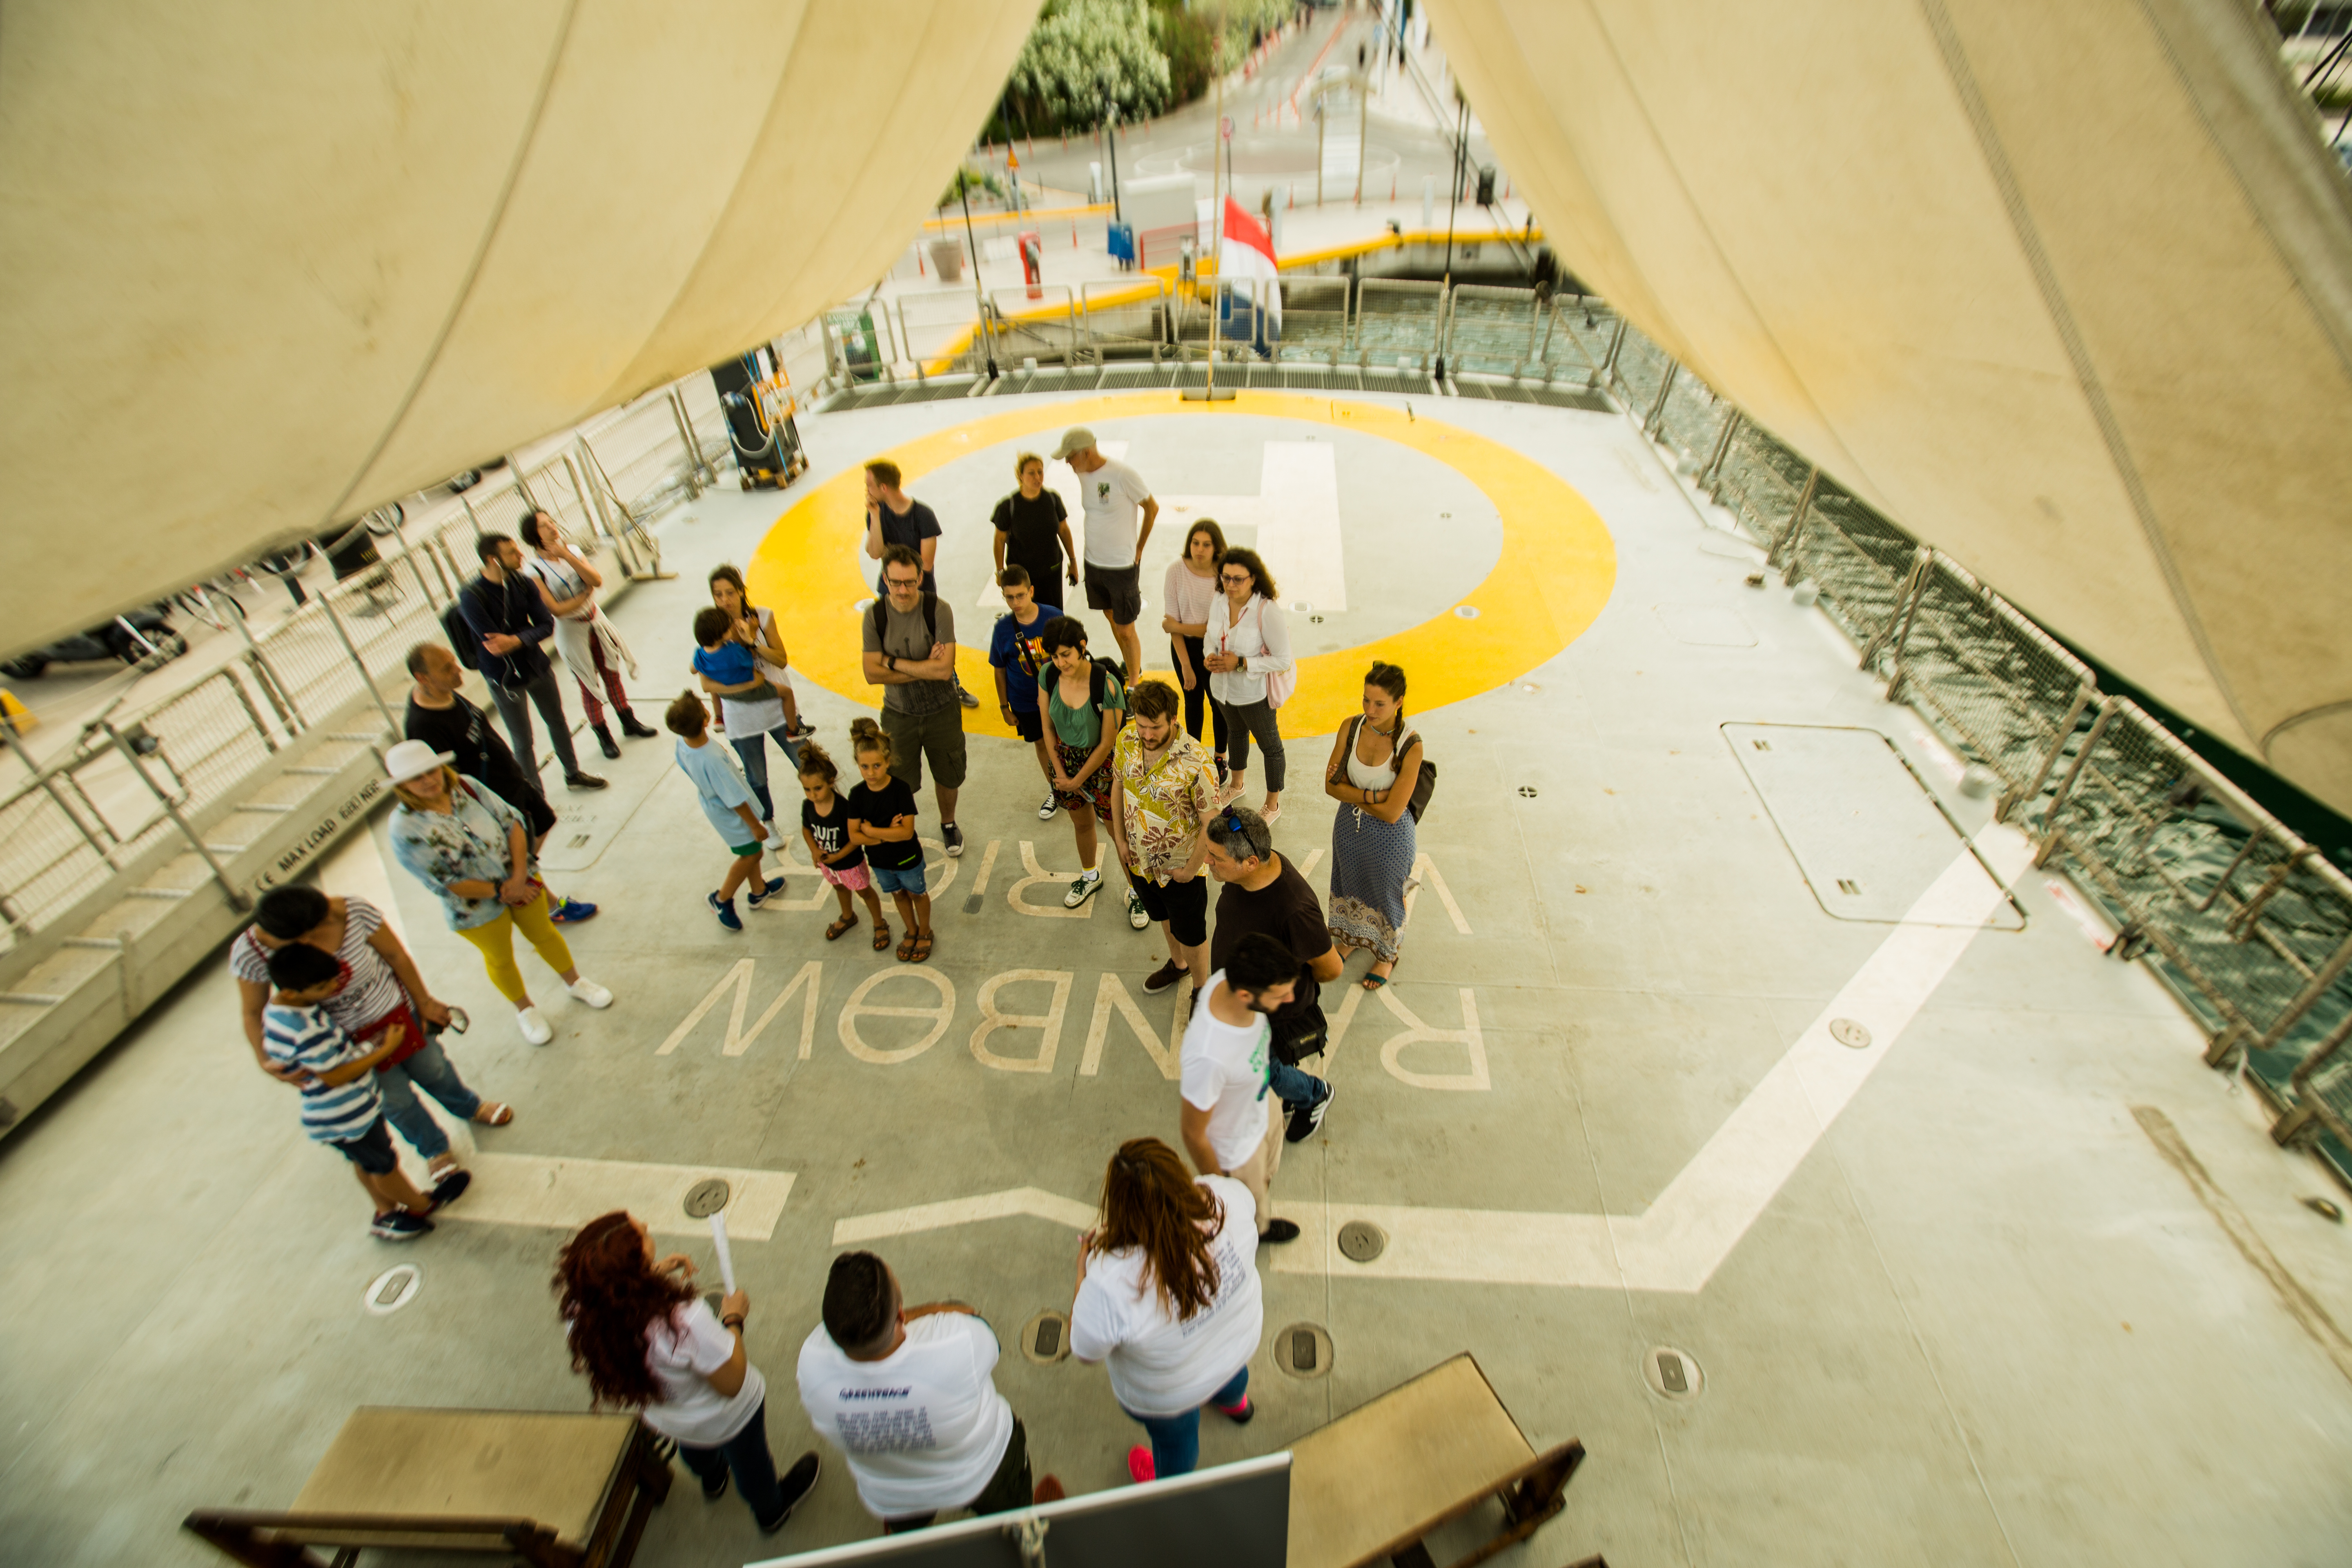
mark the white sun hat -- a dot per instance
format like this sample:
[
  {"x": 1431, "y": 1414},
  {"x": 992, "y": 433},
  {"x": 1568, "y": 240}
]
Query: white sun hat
[{"x": 410, "y": 758}]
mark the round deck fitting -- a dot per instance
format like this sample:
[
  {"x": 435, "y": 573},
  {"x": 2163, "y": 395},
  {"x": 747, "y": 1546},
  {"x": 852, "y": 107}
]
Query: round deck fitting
[
  {"x": 393, "y": 1288},
  {"x": 707, "y": 1198},
  {"x": 1304, "y": 1350},
  {"x": 1045, "y": 1338},
  {"x": 1360, "y": 1241},
  {"x": 1846, "y": 1032},
  {"x": 1672, "y": 1373}
]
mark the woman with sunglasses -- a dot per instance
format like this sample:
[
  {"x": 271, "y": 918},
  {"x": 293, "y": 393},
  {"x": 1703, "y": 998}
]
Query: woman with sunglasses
[{"x": 1251, "y": 670}]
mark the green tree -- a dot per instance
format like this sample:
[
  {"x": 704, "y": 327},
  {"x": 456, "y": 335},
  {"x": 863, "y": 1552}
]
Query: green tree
[{"x": 1085, "y": 60}]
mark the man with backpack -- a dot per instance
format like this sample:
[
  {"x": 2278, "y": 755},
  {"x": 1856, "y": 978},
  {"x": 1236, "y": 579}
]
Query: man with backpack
[
  {"x": 910, "y": 654},
  {"x": 507, "y": 619}
]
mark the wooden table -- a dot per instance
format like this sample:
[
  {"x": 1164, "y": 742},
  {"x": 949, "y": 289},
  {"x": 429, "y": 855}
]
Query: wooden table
[
  {"x": 1368, "y": 1487},
  {"x": 557, "y": 1491}
]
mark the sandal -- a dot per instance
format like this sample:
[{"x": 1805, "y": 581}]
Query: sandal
[
  {"x": 833, "y": 932},
  {"x": 907, "y": 948},
  {"x": 494, "y": 1113},
  {"x": 881, "y": 936},
  {"x": 1374, "y": 982},
  {"x": 922, "y": 947}
]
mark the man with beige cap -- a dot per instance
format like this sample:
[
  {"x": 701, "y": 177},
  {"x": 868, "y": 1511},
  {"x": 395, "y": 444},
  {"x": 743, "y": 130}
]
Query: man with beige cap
[{"x": 1111, "y": 492}]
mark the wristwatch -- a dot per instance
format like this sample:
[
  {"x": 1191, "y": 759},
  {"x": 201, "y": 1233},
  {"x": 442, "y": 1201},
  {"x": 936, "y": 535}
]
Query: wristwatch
[{"x": 890, "y": 663}]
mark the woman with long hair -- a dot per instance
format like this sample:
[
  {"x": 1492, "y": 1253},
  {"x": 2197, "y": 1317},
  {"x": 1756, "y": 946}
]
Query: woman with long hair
[
  {"x": 1168, "y": 1294},
  {"x": 1251, "y": 670},
  {"x": 1375, "y": 763},
  {"x": 592, "y": 650},
  {"x": 474, "y": 850},
  {"x": 758, "y": 625},
  {"x": 1190, "y": 592},
  {"x": 646, "y": 1342}
]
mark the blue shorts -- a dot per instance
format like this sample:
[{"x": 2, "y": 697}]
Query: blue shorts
[
  {"x": 908, "y": 881},
  {"x": 372, "y": 1150}
]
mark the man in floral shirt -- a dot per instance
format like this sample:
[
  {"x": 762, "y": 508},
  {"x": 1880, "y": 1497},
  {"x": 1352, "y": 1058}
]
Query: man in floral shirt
[{"x": 1163, "y": 788}]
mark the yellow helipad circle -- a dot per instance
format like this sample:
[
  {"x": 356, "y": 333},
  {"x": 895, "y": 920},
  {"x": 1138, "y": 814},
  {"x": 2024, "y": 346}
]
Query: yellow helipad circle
[{"x": 1557, "y": 567}]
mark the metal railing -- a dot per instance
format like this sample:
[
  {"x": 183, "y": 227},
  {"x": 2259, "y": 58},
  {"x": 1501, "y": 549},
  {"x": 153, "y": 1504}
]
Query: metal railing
[
  {"x": 175, "y": 773},
  {"x": 2248, "y": 924}
]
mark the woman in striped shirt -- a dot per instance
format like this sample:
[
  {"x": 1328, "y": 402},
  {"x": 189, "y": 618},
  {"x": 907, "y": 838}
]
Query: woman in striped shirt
[{"x": 383, "y": 988}]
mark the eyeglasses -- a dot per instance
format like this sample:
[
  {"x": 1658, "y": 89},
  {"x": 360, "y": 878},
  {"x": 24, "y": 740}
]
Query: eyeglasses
[
  {"x": 1233, "y": 577},
  {"x": 902, "y": 582}
]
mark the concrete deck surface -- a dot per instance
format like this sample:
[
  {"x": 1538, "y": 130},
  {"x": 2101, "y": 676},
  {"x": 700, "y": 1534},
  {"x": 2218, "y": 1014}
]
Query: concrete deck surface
[{"x": 1982, "y": 1320}]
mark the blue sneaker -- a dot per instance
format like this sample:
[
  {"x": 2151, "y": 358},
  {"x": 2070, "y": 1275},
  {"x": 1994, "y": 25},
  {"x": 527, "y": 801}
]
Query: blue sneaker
[
  {"x": 568, "y": 911},
  {"x": 775, "y": 890},
  {"x": 724, "y": 909}
]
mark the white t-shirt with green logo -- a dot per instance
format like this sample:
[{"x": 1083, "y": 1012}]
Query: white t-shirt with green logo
[
  {"x": 1224, "y": 1073},
  {"x": 1113, "y": 497}
]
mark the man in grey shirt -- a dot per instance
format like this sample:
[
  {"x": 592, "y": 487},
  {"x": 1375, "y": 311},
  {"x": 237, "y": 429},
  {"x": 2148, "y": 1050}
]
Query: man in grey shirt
[{"x": 910, "y": 655}]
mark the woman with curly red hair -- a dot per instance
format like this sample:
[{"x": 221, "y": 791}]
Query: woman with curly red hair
[
  {"x": 1168, "y": 1294},
  {"x": 645, "y": 1342}
]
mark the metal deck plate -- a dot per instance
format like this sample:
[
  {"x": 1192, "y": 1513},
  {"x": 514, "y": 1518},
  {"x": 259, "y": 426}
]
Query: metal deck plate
[{"x": 1866, "y": 832}]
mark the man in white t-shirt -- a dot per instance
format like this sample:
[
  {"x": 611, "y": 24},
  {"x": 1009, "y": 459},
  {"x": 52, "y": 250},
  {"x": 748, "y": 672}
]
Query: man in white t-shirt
[
  {"x": 906, "y": 1394},
  {"x": 1226, "y": 1129},
  {"x": 1111, "y": 492}
]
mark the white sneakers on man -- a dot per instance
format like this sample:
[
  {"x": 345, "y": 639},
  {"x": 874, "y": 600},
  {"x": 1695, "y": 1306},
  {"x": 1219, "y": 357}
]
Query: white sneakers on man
[
  {"x": 535, "y": 1028},
  {"x": 587, "y": 993}
]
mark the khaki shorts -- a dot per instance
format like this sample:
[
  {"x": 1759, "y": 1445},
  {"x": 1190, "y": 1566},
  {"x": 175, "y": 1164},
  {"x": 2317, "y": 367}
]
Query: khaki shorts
[
  {"x": 1257, "y": 1172},
  {"x": 937, "y": 736}
]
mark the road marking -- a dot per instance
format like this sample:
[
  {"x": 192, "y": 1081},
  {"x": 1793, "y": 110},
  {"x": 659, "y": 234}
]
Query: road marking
[
  {"x": 1110, "y": 995},
  {"x": 566, "y": 1194},
  {"x": 1550, "y": 579},
  {"x": 1295, "y": 514},
  {"x": 938, "y": 1014},
  {"x": 1031, "y": 1201},
  {"x": 1676, "y": 1245},
  {"x": 1036, "y": 875},
  {"x": 1048, "y": 1023},
  {"x": 812, "y": 975}
]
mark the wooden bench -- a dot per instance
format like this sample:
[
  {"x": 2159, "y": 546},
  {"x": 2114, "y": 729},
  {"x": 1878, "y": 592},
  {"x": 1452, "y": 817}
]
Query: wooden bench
[
  {"x": 558, "y": 1491},
  {"x": 1368, "y": 1487}
]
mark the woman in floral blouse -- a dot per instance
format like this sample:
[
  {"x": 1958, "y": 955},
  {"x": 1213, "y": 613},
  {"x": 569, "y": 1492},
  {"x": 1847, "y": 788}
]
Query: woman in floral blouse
[
  {"x": 474, "y": 850},
  {"x": 1163, "y": 788}
]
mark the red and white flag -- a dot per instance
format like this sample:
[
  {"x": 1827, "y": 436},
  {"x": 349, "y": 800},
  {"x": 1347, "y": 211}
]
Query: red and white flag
[{"x": 1245, "y": 259}]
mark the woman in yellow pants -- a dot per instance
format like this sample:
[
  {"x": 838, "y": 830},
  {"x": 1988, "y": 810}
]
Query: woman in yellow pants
[{"x": 474, "y": 850}]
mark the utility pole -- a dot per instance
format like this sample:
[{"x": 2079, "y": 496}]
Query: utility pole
[
  {"x": 1453, "y": 198},
  {"x": 1110, "y": 145},
  {"x": 988, "y": 339}
]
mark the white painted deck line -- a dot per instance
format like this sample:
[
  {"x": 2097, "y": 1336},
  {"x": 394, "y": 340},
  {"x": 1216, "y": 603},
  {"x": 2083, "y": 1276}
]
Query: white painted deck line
[
  {"x": 1032, "y": 1201},
  {"x": 564, "y": 1194},
  {"x": 1679, "y": 1242}
]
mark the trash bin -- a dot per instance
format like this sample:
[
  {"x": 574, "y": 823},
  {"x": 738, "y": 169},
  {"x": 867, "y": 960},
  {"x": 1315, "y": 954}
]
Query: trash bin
[{"x": 947, "y": 259}]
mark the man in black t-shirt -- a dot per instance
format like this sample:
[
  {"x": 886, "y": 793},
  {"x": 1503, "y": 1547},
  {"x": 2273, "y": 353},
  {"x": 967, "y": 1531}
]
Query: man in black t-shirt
[
  {"x": 1263, "y": 893},
  {"x": 446, "y": 721},
  {"x": 894, "y": 517}
]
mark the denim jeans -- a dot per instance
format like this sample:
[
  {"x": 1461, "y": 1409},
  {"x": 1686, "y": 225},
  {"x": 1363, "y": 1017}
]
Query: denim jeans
[
  {"x": 1176, "y": 1439},
  {"x": 754, "y": 749},
  {"x": 1296, "y": 1089},
  {"x": 429, "y": 1070},
  {"x": 542, "y": 692},
  {"x": 746, "y": 1454}
]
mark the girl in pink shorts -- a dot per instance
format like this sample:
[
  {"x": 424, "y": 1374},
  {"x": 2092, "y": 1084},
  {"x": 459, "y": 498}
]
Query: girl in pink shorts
[{"x": 825, "y": 829}]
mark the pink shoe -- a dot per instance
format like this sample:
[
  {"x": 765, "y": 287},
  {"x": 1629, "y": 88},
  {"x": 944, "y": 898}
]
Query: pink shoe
[
  {"x": 1139, "y": 1465},
  {"x": 1271, "y": 811}
]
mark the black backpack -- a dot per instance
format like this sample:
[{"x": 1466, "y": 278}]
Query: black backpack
[
  {"x": 882, "y": 618},
  {"x": 462, "y": 641},
  {"x": 1424, "y": 784},
  {"x": 1099, "y": 680}
]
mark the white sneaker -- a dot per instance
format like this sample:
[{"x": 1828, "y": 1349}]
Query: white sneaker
[
  {"x": 1047, "y": 808},
  {"x": 534, "y": 1028},
  {"x": 775, "y": 837},
  {"x": 1136, "y": 916},
  {"x": 589, "y": 994}
]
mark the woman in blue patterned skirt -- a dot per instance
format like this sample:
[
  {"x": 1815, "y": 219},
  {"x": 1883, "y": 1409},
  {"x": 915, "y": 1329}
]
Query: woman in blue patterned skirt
[{"x": 1375, "y": 762}]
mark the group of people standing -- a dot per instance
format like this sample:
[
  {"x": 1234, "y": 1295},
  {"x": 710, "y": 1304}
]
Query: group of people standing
[{"x": 1165, "y": 1288}]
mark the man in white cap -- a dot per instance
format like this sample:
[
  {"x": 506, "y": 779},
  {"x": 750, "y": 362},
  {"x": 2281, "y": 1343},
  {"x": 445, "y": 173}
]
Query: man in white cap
[{"x": 1111, "y": 492}]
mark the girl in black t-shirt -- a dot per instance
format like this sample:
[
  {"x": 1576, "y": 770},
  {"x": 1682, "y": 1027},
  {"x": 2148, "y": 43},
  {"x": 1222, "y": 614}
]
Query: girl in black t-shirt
[
  {"x": 825, "y": 828},
  {"x": 882, "y": 823}
]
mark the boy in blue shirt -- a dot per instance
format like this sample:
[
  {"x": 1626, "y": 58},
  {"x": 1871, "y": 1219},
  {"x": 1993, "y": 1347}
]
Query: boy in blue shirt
[
  {"x": 726, "y": 801},
  {"x": 340, "y": 1103}
]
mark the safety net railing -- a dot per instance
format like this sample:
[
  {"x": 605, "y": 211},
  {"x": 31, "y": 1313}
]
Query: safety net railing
[
  {"x": 2248, "y": 925},
  {"x": 138, "y": 779}
]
